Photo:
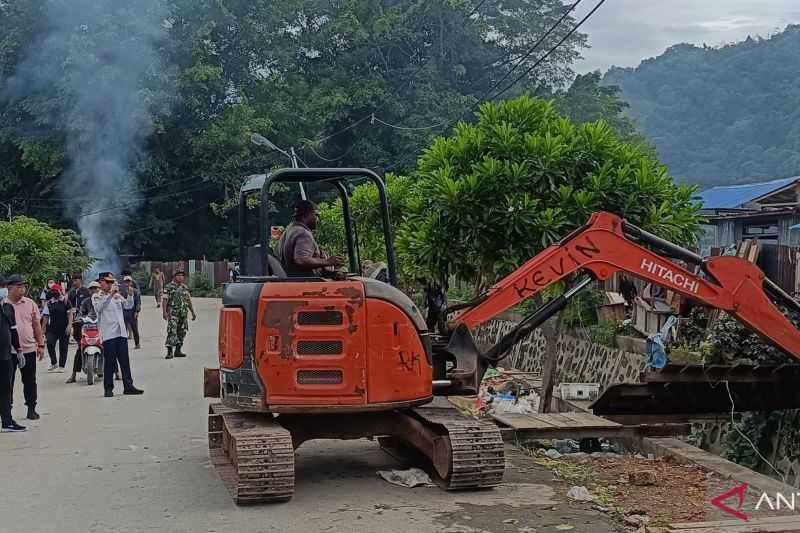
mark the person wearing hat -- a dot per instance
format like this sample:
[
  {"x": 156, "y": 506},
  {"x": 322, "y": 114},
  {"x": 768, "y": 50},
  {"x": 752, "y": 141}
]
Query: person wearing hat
[
  {"x": 177, "y": 304},
  {"x": 132, "y": 311},
  {"x": 108, "y": 304},
  {"x": 31, "y": 341},
  {"x": 86, "y": 309},
  {"x": 9, "y": 339},
  {"x": 57, "y": 325},
  {"x": 297, "y": 250}
]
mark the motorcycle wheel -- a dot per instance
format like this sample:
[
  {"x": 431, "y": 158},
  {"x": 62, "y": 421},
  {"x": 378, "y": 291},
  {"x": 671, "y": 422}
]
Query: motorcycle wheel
[{"x": 89, "y": 369}]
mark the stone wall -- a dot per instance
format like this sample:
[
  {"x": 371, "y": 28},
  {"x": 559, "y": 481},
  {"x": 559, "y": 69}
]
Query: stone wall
[{"x": 579, "y": 360}]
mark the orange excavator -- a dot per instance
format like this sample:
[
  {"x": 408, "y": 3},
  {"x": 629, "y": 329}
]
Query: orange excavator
[{"x": 311, "y": 358}]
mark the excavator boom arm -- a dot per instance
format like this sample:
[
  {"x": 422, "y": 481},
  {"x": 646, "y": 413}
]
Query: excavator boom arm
[{"x": 603, "y": 247}]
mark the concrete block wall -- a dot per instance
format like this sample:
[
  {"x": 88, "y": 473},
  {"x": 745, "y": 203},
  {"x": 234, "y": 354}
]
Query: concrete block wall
[{"x": 579, "y": 360}]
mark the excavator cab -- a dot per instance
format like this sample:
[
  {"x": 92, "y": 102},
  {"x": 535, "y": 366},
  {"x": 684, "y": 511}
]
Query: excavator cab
[
  {"x": 311, "y": 344},
  {"x": 255, "y": 252}
]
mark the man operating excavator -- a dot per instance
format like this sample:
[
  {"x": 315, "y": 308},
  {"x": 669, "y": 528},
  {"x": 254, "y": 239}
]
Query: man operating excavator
[{"x": 297, "y": 249}]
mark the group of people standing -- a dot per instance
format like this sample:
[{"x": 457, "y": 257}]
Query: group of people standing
[{"x": 26, "y": 329}]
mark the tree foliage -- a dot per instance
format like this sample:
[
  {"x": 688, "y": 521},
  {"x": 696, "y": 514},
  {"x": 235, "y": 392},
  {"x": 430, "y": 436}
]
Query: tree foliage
[
  {"x": 305, "y": 73},
  {"x": 37, "y": 251},
  {"x": 720, "y": 115},
  {"x": 498, "y": 191},
  {"x": 366, "y": 212}
]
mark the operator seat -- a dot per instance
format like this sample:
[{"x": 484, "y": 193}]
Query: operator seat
[{"x": 275, "y": 266}]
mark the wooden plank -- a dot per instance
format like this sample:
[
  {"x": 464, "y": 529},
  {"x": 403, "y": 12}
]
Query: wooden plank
[
  {"x": 558, "y": 420},
  {"x": 555, "y": 421},
  {"x": 751, "y": 526},
  {"x": 793, "y": 520},
  {"x": 518, "y": 421},
  {"x": 589, "y": 420}
]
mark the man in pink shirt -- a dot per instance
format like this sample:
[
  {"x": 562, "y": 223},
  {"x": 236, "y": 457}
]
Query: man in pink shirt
[{"x": 31, "y": 342}]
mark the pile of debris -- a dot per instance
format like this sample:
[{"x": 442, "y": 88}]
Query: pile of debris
[{"x": 502, "y": 391}]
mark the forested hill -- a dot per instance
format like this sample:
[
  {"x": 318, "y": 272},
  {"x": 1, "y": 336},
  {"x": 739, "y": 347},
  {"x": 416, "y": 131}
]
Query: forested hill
[{"x": 720, "y": 115}]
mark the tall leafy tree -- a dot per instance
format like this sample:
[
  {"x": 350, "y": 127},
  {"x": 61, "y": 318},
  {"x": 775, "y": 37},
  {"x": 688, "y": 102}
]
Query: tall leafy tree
[
  {"x": 37, "y": 251},
  {"x": 497, "y": 192},
  {"x": 305, "y": 73}
]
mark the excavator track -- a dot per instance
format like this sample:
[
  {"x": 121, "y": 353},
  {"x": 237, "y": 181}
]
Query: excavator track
[
  {"x": 253, "y": 455},
  {"x": 465, "y": 453}
]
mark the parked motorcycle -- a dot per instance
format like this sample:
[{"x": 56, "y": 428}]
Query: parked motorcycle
[{"x": 91, "y": 350}]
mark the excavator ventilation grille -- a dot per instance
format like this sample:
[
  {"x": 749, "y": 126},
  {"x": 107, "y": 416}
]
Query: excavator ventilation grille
[
  {"x": 319, "y": 318},
  {"x": 319, "y": 377},
  {"x": 319, "y": 347}
]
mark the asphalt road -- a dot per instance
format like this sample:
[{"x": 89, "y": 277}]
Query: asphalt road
[{"x": 135, "y": 464}]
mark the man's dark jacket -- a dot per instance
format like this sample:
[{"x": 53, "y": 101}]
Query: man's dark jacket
[{"x": 8, "y": 332}]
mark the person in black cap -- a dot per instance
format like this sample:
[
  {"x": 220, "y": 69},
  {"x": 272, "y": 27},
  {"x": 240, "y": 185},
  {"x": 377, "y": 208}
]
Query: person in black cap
[
  {"x": 108, "y": 304},
  {"x": 8, "y": 340},
  {"x": 31, "y": 341}
]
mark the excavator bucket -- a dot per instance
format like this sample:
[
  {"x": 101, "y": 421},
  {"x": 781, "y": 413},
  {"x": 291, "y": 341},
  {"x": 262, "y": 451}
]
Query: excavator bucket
[{"x": 469, "y": 364}]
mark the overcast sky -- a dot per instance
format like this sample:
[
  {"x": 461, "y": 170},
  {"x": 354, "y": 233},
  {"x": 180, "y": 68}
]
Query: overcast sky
[{"x": 623, "y": 32}]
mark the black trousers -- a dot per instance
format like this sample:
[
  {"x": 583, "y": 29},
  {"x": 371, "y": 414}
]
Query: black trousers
[
  {"x": 77, "y": 364},
  {"x": 6, "y": 371},
  {"x": 116, "y": 351},
  {"x": 58, "y": 336},
  {"x": 132, "y": 323},
  {"x": 28, "y": 379}
]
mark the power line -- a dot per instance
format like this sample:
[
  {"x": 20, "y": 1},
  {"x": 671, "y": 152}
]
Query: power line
[
  {"x": 476, "y": 8},
  {"x": 563, "y": 17},
  {"x": 154, "y": 226},
  {"x": 135, "y": 202},
  {"x": 67, "y": 199},
  {"x": 533, "y": 49},
  {"x": 404, "y": 128},
  {"x": 486, "y": 95},
  {"x": 334, "y": 160},
  {"x": 553, "y": 49},
  {"x": 332, "y": 135},
  {"x": 132, "y": 202}
]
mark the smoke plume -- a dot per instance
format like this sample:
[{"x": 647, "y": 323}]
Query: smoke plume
[{"x": 101, "y": 59}]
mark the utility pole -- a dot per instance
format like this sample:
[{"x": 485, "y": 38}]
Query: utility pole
[{"x": 8, "y": 209}]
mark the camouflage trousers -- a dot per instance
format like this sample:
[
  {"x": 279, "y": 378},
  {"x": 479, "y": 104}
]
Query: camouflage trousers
[{"x": 177, "y": 326}]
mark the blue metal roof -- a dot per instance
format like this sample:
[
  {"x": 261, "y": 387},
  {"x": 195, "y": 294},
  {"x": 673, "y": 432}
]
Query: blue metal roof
[{"x": 735, "y": 196}]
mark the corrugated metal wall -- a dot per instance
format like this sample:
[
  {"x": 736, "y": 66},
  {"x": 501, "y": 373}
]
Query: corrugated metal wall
[
  {"x": 787, "y": 236},
  {"x": 779, "y": 263},
  {"x": 727, "y": 233}
]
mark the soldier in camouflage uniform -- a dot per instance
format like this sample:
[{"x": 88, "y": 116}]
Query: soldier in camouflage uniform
[{"x": 176, "y": 308}]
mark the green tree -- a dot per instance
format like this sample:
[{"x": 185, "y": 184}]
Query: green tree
[
  {"x": 586, "y": 100},
  {"x": 497, "y": 192},
  {"x": 366, "y": 212},
  {"x": 38, "y": 252}
]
